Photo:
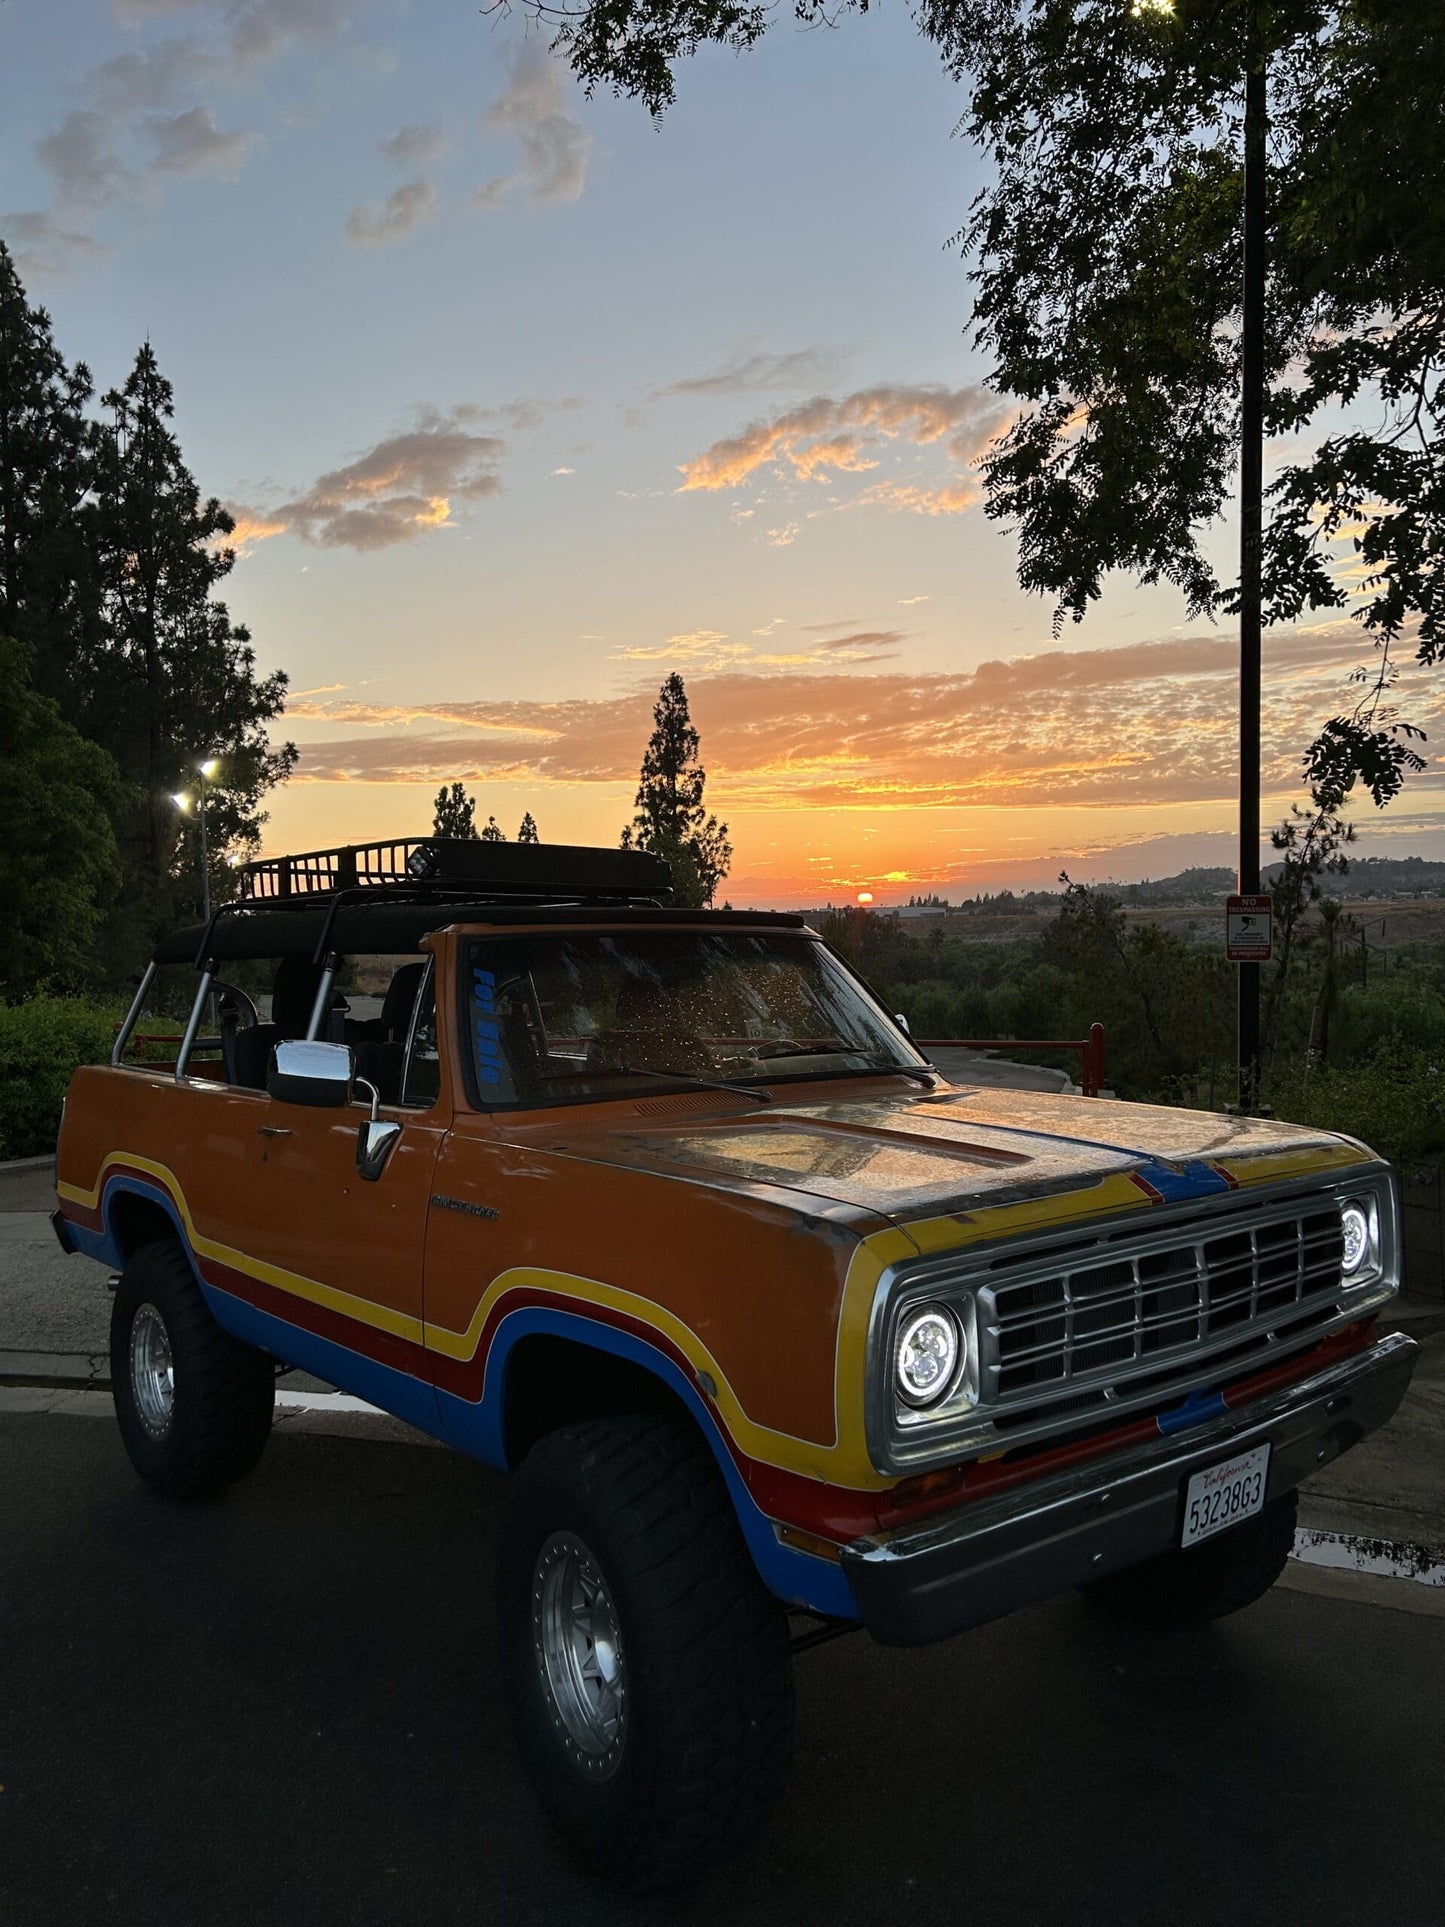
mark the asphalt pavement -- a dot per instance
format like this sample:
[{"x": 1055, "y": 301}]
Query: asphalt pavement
[{"x": 283, "y": 1706}]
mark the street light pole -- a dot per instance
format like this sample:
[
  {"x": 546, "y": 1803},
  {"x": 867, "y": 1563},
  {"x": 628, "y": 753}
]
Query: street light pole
[
  {"x": 1251, "y": 516},
  {"x": 205, "y": 860}
]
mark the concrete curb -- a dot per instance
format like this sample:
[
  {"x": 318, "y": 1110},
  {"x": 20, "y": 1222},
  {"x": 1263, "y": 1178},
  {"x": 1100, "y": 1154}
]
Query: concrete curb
[{"x": 25, "y": 1164}]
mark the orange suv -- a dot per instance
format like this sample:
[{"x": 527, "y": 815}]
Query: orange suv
[{"x": 781, "y": 1333}]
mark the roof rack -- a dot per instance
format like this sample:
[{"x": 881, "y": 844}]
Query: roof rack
[{"x": 424, "y": 866}]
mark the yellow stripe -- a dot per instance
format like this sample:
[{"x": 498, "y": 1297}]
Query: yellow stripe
[{"x": 1269, "y": 1166}]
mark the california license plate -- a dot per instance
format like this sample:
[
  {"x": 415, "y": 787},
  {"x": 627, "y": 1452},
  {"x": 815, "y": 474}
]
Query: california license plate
[{"x": 1222, "y": 1495}]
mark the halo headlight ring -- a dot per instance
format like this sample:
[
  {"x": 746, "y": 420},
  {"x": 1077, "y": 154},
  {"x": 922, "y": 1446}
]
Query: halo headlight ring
[{"x": 928, "y": 1354}]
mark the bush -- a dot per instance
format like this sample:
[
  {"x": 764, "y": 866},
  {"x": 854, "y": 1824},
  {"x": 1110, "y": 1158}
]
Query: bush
[
  {"x": 41, "y": 1042},
  {"x": 1393, "y": 1099}
]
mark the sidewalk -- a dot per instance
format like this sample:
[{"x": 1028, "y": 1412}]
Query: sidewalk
[{"x": 55, "y": 1324}]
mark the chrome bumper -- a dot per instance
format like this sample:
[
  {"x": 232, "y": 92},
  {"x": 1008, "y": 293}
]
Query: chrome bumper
[{"x": 929, "y": 1581}]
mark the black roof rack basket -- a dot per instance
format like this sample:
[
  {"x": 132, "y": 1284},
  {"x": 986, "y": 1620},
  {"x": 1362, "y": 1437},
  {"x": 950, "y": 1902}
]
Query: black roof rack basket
[{"x": 443, "y": 866}]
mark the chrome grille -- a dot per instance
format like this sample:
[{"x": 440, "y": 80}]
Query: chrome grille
[{"x": 1096, "y": 1318}]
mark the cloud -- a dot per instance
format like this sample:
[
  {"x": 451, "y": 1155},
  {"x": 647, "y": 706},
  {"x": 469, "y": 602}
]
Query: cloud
[
  {"x": 415, "y": 146},
  {"x": 1146, "y": 724},
  {"x": 396, "y": 491},
  {"x": 403, "y": 210},
  {"x": 744, "y": 373},
  {"x": 81, "y": 159},
  {"x": 45, "y": 249},
  {"x": 193, "y": 144},
  {"x": 555, "y": 148},
  {"x": 844, "y": 436},
  {"x": 119, "y": 146}
]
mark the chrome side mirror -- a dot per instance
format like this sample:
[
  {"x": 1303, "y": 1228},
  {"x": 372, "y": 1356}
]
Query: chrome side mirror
[
  {"x": 306, "y": 1071},
  {"x": 376, "y": 1137},
  {"x": 902, "y": 1023}
]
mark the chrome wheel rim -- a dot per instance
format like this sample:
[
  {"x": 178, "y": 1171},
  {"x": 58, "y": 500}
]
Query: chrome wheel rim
[
  {"x": 577, "y": 1645},
  {"x": 152, "y": 1372}
]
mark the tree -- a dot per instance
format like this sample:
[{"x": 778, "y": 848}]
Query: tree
[
  {"x": 455, "y": 814},
  {"x": 48, "y": 595},
  {"x": 58, "y": 860},
  {"x": 175, "y": 681},
  {"x": 1107, "y": 268},
  {"x": 528, "y": 831},
  {"x": 671, "y": 820},
  {"x": 493, "y": 833}
]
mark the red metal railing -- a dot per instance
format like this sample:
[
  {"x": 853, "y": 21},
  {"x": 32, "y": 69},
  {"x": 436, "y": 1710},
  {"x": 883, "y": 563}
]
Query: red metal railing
[{"x": 1090, "y": 1049}]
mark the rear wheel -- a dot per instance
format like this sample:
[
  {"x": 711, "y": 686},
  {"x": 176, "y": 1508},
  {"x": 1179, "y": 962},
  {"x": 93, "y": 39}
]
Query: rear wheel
[
  {"x": 193, "y": 1404},
  {"x": 1187, "y": 1587},
  {"x": 647, "y": 1667}
]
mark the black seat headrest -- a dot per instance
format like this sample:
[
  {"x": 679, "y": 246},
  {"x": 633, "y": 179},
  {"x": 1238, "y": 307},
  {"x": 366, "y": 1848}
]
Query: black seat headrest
[
  {"x": 400, "y": 996},
  {"x": 294, "y": 993}
]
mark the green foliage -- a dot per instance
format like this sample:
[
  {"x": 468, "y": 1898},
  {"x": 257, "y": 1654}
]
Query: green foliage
[
  {"x": 455, "y": 814},
  {"x": 1393, "y": 1098},
  {"x": 41, "y": 1043},
  {"x": 671, "y": 820},
  {"x": 109, "y": 563},
  {"x": 58, "y": 864}
]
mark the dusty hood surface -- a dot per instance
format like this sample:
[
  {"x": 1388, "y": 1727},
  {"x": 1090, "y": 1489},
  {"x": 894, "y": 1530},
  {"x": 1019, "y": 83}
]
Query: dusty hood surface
[{"x": 957, "y": 1149}]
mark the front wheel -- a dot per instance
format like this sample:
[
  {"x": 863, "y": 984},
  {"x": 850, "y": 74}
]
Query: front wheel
[
  {"x": 1188, "y": 1586},
  {"x": 647, "y": 1668},
  {"x": 193, "y": 1404}
]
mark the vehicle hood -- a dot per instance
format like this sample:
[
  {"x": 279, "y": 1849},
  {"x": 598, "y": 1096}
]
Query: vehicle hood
[{"x": 954, "y": 1150}]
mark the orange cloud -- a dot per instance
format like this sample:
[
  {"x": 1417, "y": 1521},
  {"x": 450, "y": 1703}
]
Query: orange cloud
[
  {"x": 1141, "y": 726},
  {"x": 828, "y": 434}
]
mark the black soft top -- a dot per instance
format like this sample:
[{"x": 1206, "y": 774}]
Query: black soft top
[{"x": 392, "y": 929}]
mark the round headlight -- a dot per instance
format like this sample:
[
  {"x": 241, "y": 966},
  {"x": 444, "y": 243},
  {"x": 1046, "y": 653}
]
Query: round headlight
[
  {"x": 1355, "y": 1227},
  {"x": 927, "y": 1354}
]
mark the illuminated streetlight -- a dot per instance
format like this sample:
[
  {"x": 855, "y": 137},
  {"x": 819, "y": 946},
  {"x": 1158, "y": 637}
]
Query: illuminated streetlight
[{"x": 185, "y": 803}]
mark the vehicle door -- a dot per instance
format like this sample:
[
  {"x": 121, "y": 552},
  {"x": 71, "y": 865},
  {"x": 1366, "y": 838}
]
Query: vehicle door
[{"x": 339, "y": 1256}]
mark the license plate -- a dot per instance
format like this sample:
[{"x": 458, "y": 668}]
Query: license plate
[{"x": 1222, "y": 1495}]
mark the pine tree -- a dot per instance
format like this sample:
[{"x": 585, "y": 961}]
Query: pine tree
[
  {"x": 528, "y": 832},
  {"x": 670, "y": 820},
  {"x": 456, "y": 814},
  {"x": 175, "y": 682},
  {"x": 48, "y": 595},
  {"x": 492, "y": 834}
]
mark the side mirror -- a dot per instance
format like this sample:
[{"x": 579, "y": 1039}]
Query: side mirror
[
  {"x": 375, "y": 1138},
  {"x": 902, "y": 1023},
  {"x": 306, "y": 1071}
]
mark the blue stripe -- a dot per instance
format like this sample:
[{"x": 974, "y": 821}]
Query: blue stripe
[
  {"x": 799, "y": 1578},
  {"x": 1198, "y": 1406},
  {"x": 1177, "y": 1184}
]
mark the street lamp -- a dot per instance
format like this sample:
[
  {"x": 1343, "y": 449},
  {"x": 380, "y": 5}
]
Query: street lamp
[{"x": 205, "y": 770}]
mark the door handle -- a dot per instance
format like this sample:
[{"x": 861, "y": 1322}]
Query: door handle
[{"x": 273, "y": 1130}]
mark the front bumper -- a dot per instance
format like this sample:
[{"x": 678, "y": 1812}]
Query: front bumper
[{"x": 930, "y": 1581}]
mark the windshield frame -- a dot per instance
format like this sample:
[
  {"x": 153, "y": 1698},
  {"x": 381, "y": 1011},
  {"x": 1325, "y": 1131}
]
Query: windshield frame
[{"x": 659, "y": 1085}]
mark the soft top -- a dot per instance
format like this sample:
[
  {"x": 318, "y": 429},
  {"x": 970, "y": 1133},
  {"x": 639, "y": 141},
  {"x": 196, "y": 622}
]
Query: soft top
[{"x": 385, "y": 928}]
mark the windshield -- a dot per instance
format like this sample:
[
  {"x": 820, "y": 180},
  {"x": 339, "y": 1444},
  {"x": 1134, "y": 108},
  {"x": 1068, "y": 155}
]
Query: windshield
[{"x": 559, "y": 1019}]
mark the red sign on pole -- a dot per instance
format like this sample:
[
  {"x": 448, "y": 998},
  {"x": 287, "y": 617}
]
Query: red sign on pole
[{"x": 1249, "y": 929}]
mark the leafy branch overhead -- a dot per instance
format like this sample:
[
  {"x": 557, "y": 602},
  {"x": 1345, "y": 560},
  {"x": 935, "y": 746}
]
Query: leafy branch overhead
[{"x": 1106, "y": 262}]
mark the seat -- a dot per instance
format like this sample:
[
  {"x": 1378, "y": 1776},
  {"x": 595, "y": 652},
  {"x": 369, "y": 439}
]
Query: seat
[
  {"x": 656, "y": 1028},
  {"x": 293, "y": 997},
  {"x": 381, "y": 1062}
]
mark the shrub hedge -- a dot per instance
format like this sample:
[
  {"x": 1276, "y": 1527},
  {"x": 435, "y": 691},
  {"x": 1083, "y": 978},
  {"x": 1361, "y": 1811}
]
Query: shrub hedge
[
  {"x": 1393, "y": 1099},
  {"x": 41, "y": 1042}
]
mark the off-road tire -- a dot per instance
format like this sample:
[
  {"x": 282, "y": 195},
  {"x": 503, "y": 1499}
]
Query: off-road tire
[
  {"x": 709, "y": 1693},
  {"x": 1186, "y": 1587},
  {"x": 224, "y": 1391}
]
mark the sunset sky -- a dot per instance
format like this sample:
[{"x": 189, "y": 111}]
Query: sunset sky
[{"x": 522, "y": 402}]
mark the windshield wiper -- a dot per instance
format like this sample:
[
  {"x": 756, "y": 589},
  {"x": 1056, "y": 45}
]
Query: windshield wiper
[
  {"x": 796, "y": 1047},
  {"x": 678, "y": 1077}
]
